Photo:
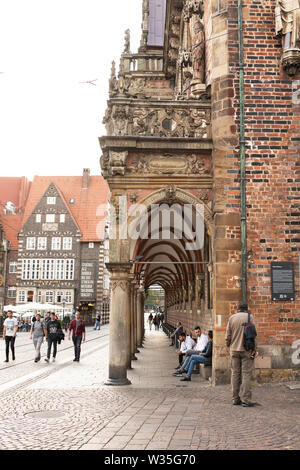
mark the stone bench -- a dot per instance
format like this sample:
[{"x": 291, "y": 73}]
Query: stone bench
[{"x": 205, "y": 371}]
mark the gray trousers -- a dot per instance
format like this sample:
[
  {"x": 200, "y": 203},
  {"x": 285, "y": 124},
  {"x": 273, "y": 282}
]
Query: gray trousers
[
  {"x": 241, "y": 374},
  {"x": 188, "y": 354},
  {"x": 37, "y": 345}
]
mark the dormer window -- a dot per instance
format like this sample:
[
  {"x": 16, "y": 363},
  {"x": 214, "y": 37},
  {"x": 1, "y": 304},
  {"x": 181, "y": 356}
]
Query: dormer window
[
  {"x": 51, "y": 200},
  {"x": 50, "y": 218}
]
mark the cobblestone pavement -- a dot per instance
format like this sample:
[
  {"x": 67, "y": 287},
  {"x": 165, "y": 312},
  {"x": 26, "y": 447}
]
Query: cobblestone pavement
[{"x": 69, "y": 407}]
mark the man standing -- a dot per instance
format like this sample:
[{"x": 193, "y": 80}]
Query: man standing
[
  {"x": 241, "y": 360},
  {"x": 77, "y": 327},
  {"x": 38, "y": 331},
  {"x": 53, "y": 332},
  {"x": 10, "y": 328}
]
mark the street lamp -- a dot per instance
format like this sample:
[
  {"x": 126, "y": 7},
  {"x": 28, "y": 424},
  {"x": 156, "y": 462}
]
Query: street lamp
[{"x": 63, "y": 303}]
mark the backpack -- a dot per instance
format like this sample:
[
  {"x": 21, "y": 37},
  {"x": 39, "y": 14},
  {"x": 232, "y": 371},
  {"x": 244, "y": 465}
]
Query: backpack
[{"x": 249, "y": 335}]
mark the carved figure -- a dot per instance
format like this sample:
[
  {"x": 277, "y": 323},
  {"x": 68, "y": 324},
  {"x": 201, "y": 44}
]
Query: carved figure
[
  {"x": 127, "y": 42},
  {"x": 287, "y": 18}
]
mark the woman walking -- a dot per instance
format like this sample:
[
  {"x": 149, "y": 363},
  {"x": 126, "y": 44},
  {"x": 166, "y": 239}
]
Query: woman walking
[{"x": 37, "y": 333}]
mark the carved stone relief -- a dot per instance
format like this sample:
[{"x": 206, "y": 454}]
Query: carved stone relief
[{"x": 169, "y": 164}]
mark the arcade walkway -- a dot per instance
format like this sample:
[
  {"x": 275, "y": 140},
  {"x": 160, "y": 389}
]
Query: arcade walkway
[{"x": 66, "y": 406}]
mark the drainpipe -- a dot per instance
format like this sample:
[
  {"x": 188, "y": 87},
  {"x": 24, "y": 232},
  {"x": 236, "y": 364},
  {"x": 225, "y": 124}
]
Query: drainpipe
[{"x": 242, "y": 152}]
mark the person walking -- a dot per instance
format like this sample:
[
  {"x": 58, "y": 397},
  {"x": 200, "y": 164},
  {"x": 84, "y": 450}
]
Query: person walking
[
  {"x": 37, "y": 333},
  {"x": 150, "y": 321},
  {"x": 77, "y": 327},
  {"x": 54, "y": 331},
  {"x": 66, "y": 323},
  {"x": 10, "y": 328},
  {"x": 242, "y": 361},
  {"x": 98, "y": 322}
]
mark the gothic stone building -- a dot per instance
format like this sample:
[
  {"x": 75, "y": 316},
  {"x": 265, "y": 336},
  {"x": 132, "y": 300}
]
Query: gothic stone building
[
  {"x": 60, "y": 246},
  {"x": 207, "y": 114}
]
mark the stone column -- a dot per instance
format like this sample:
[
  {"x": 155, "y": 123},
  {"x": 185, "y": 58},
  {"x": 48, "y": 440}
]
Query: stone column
[
  {"x": 132, "y": 329},
  {"x": 118, "y": 339},
  {"x": 139, "y": 317},
  {"x": 135, "y": 304},
  {"x": 128, "y": 325}
]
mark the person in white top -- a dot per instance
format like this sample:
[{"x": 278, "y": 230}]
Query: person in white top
[
  {"x": 9, "y": 334},
  {"x": 200, "y": 346},
  {"x": 186, "y": 343}
]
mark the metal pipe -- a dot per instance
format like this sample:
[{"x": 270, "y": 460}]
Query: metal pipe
[{"x": 242, "y": 152}]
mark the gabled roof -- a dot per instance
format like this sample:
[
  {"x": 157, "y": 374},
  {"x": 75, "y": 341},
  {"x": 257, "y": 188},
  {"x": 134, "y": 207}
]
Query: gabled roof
[
  {"x": 15, "y": 190},
  {"x": 12, "y": 224},
  {"x": 86, "y": 201}
]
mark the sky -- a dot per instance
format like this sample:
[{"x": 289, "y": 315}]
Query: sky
[{"x": 49, "y": 121}]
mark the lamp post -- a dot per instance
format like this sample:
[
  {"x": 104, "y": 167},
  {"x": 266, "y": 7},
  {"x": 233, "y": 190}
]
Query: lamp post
[{"x": 63, "y": 303}]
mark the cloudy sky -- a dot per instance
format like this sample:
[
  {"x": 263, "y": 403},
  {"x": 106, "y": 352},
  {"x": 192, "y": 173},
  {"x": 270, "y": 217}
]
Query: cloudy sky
[{"x": 49, "y": 121}]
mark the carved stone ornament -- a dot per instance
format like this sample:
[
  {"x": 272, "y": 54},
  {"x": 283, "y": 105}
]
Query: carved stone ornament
[
  {"x": 127, "y": 42},
  {"x": 291, "y": 61},
  {"x": 117, "y": 162},
  {"x": 170, "y": 165},
  {"x": 287, "y": 26},
  {"x": 170, "y": 192}
]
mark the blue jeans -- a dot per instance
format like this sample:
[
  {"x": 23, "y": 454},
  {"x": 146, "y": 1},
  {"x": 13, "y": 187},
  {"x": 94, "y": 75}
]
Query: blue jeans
[{"x": 194, "y": 360}]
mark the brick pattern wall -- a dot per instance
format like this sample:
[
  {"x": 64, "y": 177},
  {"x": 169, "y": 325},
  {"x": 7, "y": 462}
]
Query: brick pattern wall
[{"x": 272, "y": 118}]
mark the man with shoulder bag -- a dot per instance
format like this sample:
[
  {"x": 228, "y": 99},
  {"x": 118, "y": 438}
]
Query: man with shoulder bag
[{"x": 241, "y": 338}]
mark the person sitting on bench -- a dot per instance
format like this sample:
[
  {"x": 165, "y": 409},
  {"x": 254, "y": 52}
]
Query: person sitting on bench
[
  {"x": 186, "y": 343},
  {"x": 204, "y": 358},
  {"x": 176, "y": 333},
  {"x": 202, "y": 341}
]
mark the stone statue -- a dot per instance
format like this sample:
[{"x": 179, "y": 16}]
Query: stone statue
[
  {"x": 113, "y": 82},
  {"x": 127, "y": 42},
  {"x": 287, "y": 18},
  {"x": 198, "y": 47}
]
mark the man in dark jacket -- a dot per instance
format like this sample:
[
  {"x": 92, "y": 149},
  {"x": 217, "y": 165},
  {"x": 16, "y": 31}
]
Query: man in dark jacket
[
  {"x": 203, "y": 358},
  {"x": 77, "y": 327},
  {"x": 54, "y": 332}
]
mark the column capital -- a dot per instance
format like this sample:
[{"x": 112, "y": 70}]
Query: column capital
[{"x": 115, "y": 268}]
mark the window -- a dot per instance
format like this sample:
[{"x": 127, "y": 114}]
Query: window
[
  {"x": 60, "y": 268},
  {"x": 59, "y": 297},
  {"x": 30, "y": 243},
  {"x": 48, "y": 269},
  {"x": 42, "y": 243},
  {"x": 68, "y": 297},
  {"x": 106, "y": 282},
  {"x": 26, "y": 268},
  {"x": 50, "y": 218},
  {"x": 12, "y": 292},
  {"x": 62, "y": 218},
  {"x": 40, "y": 297},
  {"x": 91, "y": 245},
  {"x": 38, "y": 218},
  {"x": 35, "y": 269},
  {"x": 49, "y": 297},
  {"x": 21, "y": 296},
  {"x": 51, "y": 200},
  {"x": 13, "y": 265},
  {"x": 56, "y": 243},
  {"x": 30, "y": 296},
  {"x": 67, "y": 243},
  {"x": 69, "y": 274}
]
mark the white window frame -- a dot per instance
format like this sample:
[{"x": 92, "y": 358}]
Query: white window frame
[
  {"x": 38, "y": 218},
  {"x": 49, "y": 297},
  {"x": 42, "y": 243},
  {"x": 50, "y": 218},
  {"x": 10, "y": 290},
  {"x": 13, "y": 267},
  {"x": 62, "y": 218},
  {"x": 56, "y": 243},
  {"x": 51, "y": 200},
  {"x": 69, "y": 297},
  {"x": 69, "y": 270},
  {"x": 60, "y": 269},
  {"x": 67, "y": 243},
  {"x": 26, "y": 269},
  {"x": 91, "y": 245},
  {"x": 35, "y": 269},
  {"x": 47, "y": 270},
  {"x": 30, "y": 243},
  {"x": 60, "y": 294},
  {"x": 21, "y": 296}
]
